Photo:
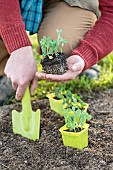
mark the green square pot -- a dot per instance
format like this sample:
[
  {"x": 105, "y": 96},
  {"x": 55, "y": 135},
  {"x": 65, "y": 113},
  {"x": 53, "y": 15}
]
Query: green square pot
[
  {"x": 76, "y": 140},
  {"x": 56, "y": 105}
]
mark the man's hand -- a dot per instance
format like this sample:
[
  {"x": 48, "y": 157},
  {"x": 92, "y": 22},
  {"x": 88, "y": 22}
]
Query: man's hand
[
  {"x": 21, "y": 69},
  {"x": 75, "y": 66}
]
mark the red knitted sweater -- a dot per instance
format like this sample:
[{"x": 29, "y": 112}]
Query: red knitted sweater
[
  {"x": 99, "y": 40},
  {"x": 95, "y": 46}
]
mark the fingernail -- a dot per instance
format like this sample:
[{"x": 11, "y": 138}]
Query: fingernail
[{"x": 18, "y": 97}]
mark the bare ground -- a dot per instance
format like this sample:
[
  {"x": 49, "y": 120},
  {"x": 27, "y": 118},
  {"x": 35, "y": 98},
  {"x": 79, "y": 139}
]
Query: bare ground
[{"x": 18, "y": 153}]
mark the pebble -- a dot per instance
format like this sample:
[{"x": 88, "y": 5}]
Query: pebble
[{"x": 0, "y": 143}]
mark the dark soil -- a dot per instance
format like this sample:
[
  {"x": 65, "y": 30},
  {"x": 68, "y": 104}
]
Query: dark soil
[
  {"x": 76, "y": 130},
  {"x": 56, "y": 65},
  {"x": 18, "y": 153}
]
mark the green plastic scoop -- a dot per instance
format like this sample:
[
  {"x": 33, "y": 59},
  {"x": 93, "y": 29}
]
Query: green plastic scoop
[{"x": 26, "y": 123}]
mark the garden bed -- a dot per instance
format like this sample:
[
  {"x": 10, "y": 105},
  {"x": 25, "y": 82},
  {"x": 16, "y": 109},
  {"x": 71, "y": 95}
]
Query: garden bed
[{"x": 18, "y": 153}]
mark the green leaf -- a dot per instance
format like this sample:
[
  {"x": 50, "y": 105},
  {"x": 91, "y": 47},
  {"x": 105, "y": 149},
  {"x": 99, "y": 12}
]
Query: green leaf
[
  {"x": 65, "y": 41},
  {"x": 74, "y": 99}
]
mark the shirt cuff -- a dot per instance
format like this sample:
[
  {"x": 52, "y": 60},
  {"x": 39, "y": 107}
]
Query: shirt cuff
[
  {"x": 14, "y": 37},
  {"x": 88, "y": 53}
]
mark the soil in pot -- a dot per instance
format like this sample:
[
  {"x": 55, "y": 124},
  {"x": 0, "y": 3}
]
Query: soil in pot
[
  {"x": 55, "y": 64},
  {"x": 76, "y": 130}
]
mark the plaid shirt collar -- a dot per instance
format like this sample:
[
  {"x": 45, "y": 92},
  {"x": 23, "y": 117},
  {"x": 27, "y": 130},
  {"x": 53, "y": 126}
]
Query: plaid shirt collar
[{"x": 31, "y": 11}]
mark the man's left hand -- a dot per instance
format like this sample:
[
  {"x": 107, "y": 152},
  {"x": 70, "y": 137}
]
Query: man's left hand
[{"x": 75, "y": 66}]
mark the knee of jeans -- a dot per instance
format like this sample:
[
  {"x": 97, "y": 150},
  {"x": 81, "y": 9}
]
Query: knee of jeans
[{"x": 67, "y": 49}]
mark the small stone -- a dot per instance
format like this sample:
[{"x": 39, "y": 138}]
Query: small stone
[
  {"x": 0, "y": 143},
  {"x": 102, "y": 162},
  {"x": 50, "y": 57}
]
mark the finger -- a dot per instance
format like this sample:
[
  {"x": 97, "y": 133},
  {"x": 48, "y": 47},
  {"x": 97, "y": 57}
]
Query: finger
[
  {"x": 45, "y": 77},
  {"x": 33, "y": 85},
  {"x": 41, "y": 75},
  {"x": 14, "y": 83},
  {"x": 20, "y": 92},
  {"x": 69, "y": 75}
]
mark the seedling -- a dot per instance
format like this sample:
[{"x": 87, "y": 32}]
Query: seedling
[
  {"x": 59, "y": 92},
  {"x": 75, "y": 113},
  {"x": 50, "y": 47},
  {"x": 54, "y": 60}
]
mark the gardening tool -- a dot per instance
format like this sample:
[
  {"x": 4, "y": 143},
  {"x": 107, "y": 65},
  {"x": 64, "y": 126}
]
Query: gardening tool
[{"x": 27, "y": 122}]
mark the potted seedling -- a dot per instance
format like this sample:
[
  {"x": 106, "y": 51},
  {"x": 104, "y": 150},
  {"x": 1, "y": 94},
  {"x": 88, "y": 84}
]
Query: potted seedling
[
  {"x": 61, "y": 98},
  {"x": 54, "y": 60},
  {"x": 55, "y": 99},
  {"x": 75, "y": 131}
]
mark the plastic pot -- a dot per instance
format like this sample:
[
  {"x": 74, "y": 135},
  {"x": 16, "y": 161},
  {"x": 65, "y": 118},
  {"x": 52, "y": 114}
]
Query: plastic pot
[
  {"x": 75, "y": 139},
  {"x": 55, "y": 105}
]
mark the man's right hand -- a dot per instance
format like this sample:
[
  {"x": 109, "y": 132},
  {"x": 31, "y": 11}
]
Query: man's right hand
[{"x": 21, "y": 69}]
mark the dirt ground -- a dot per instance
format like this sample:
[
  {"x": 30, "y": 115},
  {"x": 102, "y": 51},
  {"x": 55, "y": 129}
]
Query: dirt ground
[{"x": 18, "y": 153}]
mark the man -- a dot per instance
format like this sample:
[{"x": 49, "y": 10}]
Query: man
[{"x": 89, "y": 39}]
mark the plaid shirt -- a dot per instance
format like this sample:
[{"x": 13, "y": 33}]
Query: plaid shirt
[{"x": 31, "y": 11}]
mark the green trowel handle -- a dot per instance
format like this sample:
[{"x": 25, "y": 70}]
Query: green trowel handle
[
  {"x": 26, "y": 109},
  {"x": 26, "y": 103}
]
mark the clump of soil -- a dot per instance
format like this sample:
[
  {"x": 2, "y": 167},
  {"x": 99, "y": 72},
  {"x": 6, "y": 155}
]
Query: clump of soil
[
  {"x": 49, "y": 153},
  {"x": 55, "y": 64}
]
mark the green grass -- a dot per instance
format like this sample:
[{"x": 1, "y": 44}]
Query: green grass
[{"x": 105, "y": 80}]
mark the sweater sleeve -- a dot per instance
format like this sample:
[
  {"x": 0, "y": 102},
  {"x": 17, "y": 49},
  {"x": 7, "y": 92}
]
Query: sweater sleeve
[
  {"x": 12, "y": 28},
  {"x": 98, "y": 42}
]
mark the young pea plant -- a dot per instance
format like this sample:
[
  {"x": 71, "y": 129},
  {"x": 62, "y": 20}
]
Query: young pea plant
[
  {"x": 70, "y": 100},
  {"x": 60, "y": 40},
  {"x": 74, "y": 113},
  {"x": 75, "y": 118},
  {"x": 59, "y": 91},
  {"x": 50, "y": 47}
]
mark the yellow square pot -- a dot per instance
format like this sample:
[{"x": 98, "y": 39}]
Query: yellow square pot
[
  {"x": 56, "y": 105},
  {"x": 76, "y": 140}
]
